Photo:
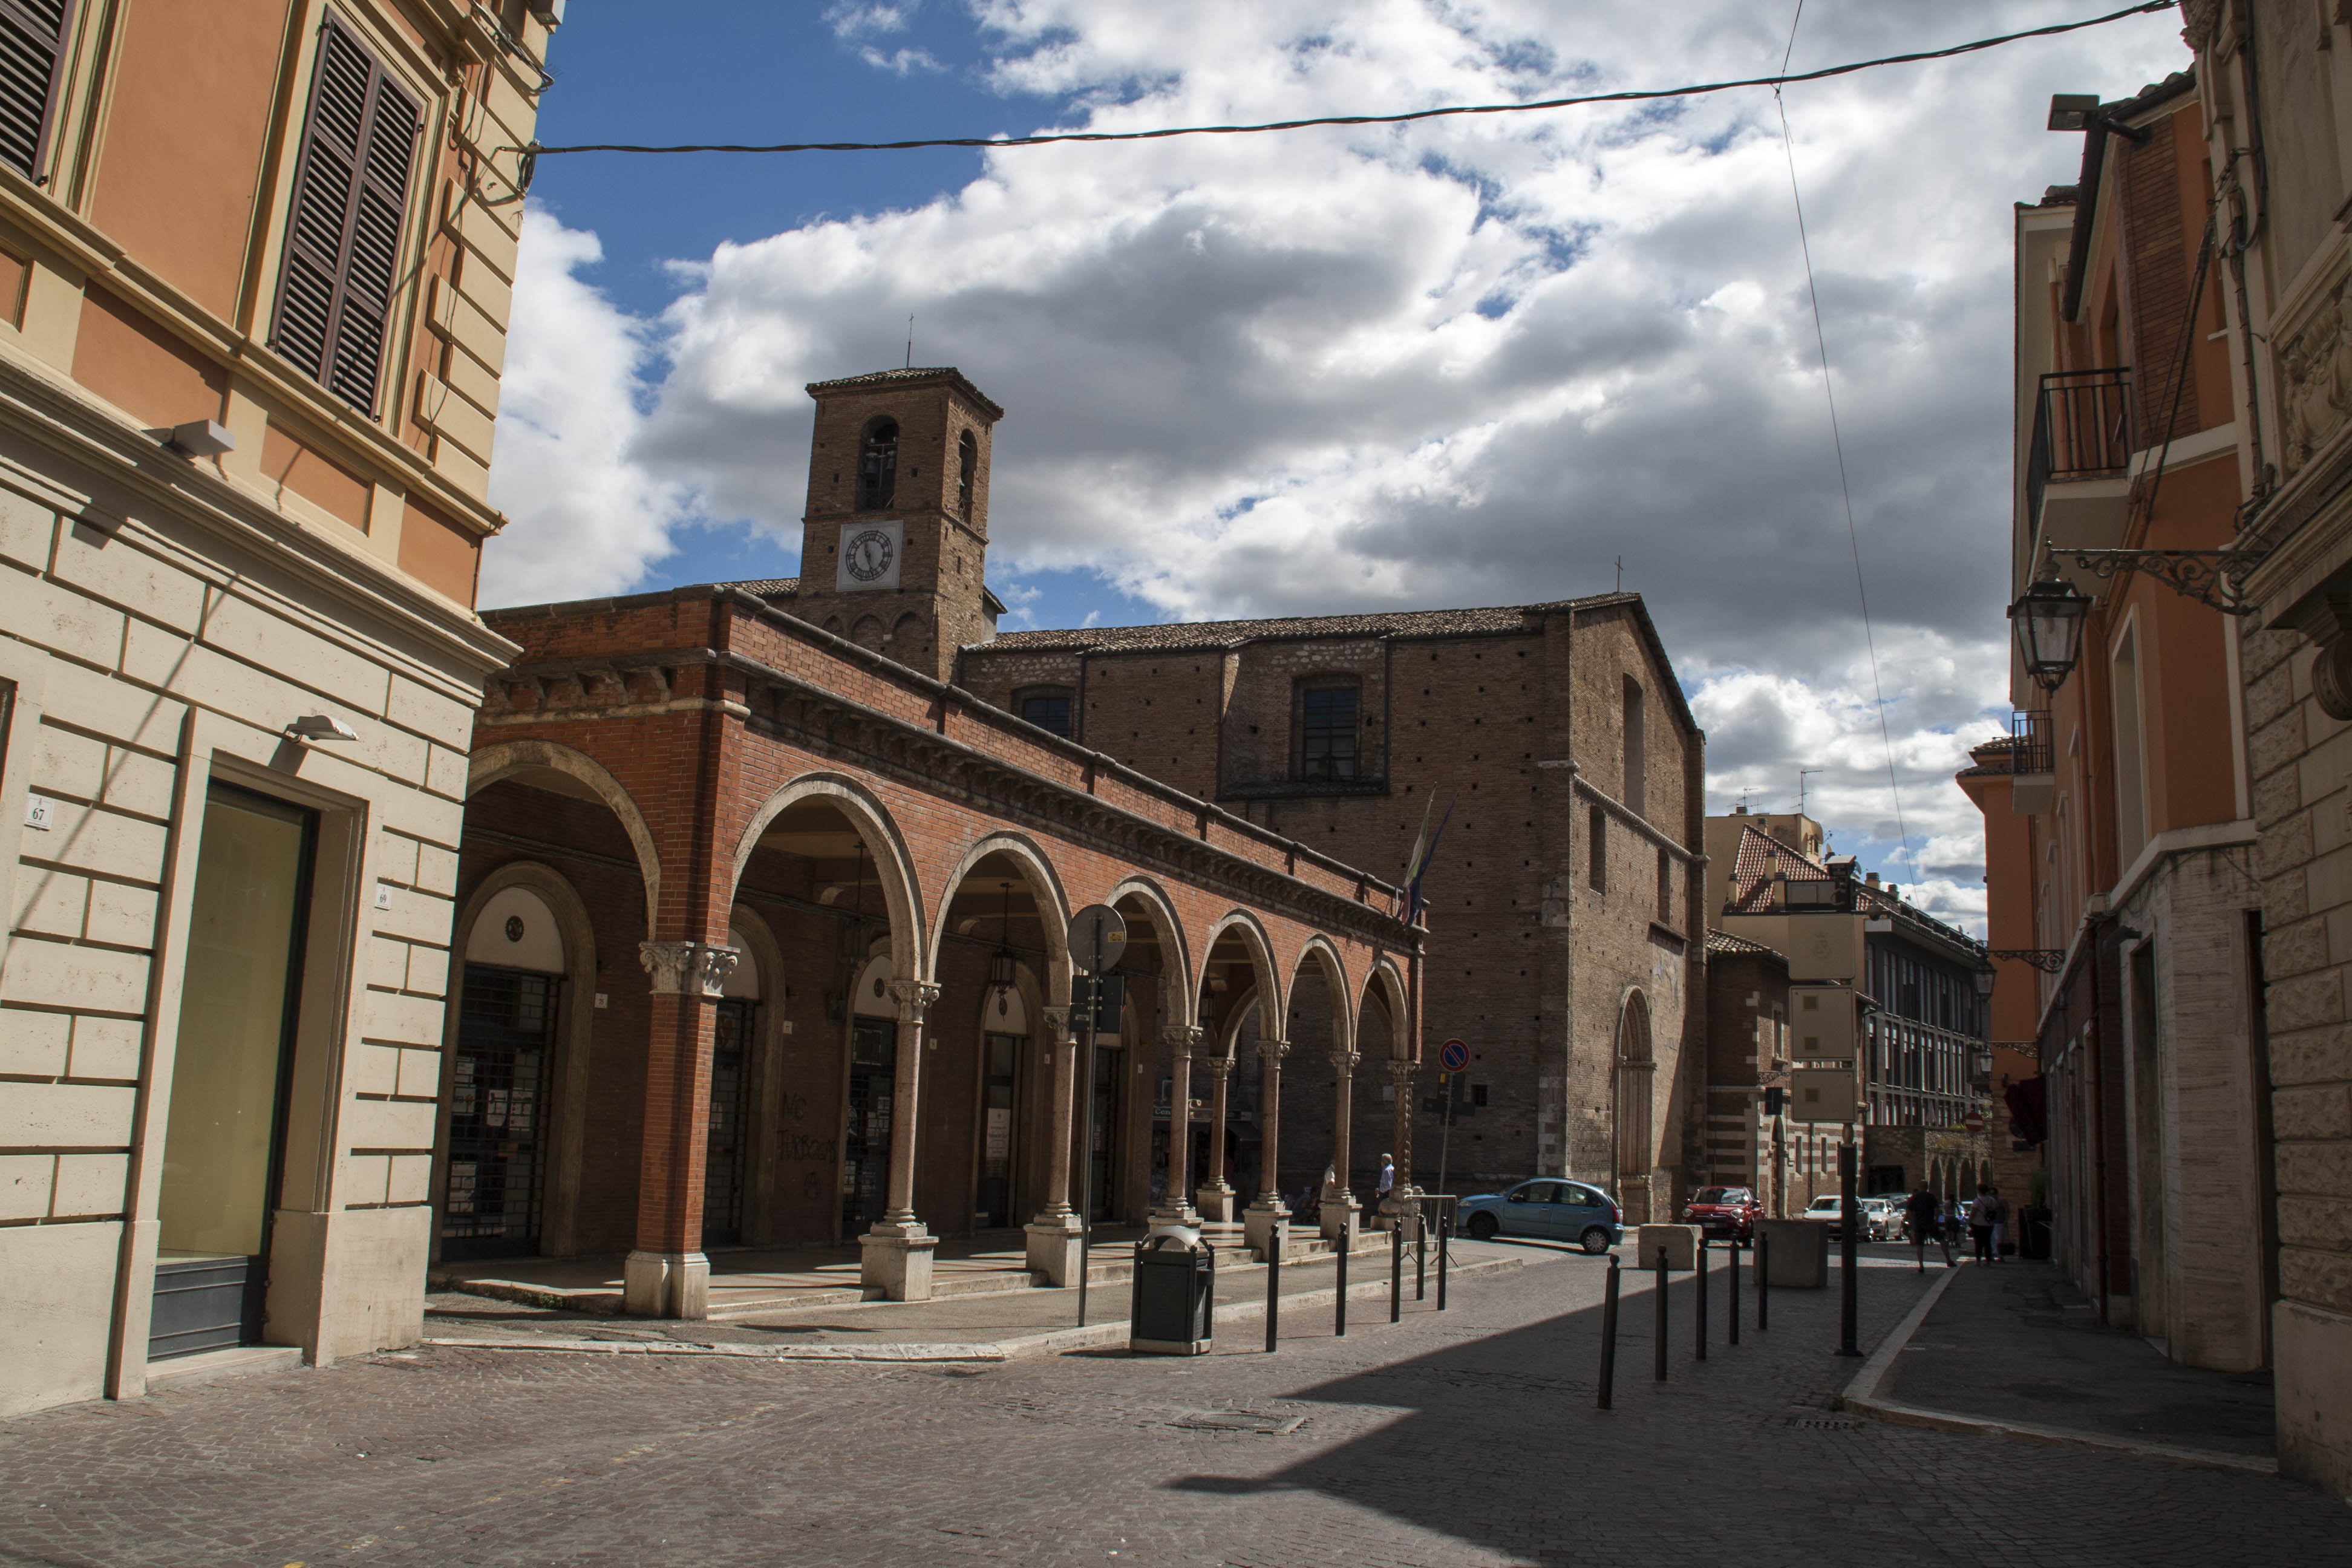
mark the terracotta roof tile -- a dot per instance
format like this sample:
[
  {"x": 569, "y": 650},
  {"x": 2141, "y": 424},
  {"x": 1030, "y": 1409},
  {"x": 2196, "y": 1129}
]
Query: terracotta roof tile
[
  {"x": 1723, "y": 942},
  {"x": 1233, "y": 634}
]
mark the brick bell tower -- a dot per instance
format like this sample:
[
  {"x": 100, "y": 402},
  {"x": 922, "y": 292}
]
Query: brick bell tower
[{"x": 895, "y": 534}]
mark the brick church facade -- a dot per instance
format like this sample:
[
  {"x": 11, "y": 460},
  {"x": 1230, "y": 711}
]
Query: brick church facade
[
  {"x": 1563, "y": 900},
  {"x": 764, "y": 888}
]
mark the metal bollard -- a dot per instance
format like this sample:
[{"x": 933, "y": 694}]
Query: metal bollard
[
  {"x": 1609, "y": 1336},
  {"x": 1272, "y": 1286},
  {"x": 1658, "y": 1373},
  {"x": 1731, "y": 1317},
  {"x": 1699, "y": 1285},
  {"x": 1396, "y": 1272},
  {"x": 1763, "y": 1283},
  {"x": 1420, "y": 1255},
  {"x": 1339, "y": 1307},
  {"x": 1445, "y": 1235}
]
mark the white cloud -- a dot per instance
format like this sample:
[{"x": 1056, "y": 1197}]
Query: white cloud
[
  {"x": 1470, "y": 360},
  {"x": 584, "y": 517}
]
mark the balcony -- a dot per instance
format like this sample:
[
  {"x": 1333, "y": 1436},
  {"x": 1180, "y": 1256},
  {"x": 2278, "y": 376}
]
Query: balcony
[
  {"x": 2077, "y": 479},
  {"x": 2033, "y": 780}
]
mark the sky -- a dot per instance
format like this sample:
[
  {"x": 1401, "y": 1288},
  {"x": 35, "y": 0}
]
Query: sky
[{"x": 1469, "y": 361}]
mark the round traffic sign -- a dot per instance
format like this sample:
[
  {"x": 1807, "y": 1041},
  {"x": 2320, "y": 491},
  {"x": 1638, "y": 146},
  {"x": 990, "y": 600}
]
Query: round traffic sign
[
  {"x": 1454, "y": 1055},
  {"x": 1097, "y": 939}
]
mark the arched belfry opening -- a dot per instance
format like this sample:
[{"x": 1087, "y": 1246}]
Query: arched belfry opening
[{"x": 878, "y": 464}]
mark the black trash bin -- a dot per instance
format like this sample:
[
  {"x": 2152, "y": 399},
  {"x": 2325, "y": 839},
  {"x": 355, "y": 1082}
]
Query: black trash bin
[
  {"x": 2035, "y": 1243},
  {"x": 1175, "y": 1282}
]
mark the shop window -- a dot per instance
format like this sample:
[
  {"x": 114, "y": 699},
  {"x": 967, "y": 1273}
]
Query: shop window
[{"x": 342, "y": 242}]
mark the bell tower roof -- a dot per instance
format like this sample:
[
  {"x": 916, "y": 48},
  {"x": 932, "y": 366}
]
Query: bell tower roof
[{"x": 909, "y": 379}]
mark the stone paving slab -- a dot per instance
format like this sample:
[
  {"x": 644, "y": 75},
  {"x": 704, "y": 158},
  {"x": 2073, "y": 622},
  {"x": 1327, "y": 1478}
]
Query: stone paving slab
[
  {"x": 2016, "y": 1348},
  {"x": 1467, "y": 1439}
]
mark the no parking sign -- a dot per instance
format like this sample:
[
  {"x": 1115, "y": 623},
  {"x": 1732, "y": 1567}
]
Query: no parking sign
[{"x": 1454, "y": 1055}]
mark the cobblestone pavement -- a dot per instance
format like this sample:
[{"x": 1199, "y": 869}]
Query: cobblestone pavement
[{"x": 1465, "y": 1439}]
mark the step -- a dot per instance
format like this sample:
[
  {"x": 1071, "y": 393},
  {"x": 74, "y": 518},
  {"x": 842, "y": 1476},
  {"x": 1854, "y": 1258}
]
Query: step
[{"x": 211, "y": 1366}]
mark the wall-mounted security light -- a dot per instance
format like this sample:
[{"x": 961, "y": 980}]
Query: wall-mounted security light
[
  {"x": 2080, "y": 111},
  {"x": 201, "y": 439},
  {"x": 321, "y": 727}
]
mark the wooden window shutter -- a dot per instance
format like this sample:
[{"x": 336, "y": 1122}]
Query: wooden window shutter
[
  {"x": 342, "y": 246},
  {"x": 32, "y": 64}
]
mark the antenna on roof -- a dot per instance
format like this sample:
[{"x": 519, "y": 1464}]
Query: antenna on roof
[
  {"x": 911, "y": 339},
  {"x": 1620, "y": 573},
  {"x": 1803, "y": 774}
]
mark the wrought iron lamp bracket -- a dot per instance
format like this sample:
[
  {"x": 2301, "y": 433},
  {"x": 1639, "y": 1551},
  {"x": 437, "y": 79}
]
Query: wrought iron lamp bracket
[
  {"x": 2209, "y": 576},
  {"x": 2049, "y": 960}
]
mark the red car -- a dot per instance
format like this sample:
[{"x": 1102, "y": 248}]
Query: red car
[{"x": 1722, "y": 1211}]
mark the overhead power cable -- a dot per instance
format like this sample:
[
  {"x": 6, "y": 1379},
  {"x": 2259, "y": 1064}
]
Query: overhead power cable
[
  {"x": 1837, "y": 441},
  {"x": 1632, "y": 95}
]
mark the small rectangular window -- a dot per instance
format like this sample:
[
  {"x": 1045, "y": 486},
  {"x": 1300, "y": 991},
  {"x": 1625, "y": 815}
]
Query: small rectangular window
[
  {"x": 1637, "y": 762},
  {"x": 1597, "y": 848},
  {"x": 1048, "y": 710},
  {"x": 1327, "y": 733},
  {"x": 342, "y": 238},
  {"x": 1477, "y": 1094},
  {"x": 1666, "y": 888}
]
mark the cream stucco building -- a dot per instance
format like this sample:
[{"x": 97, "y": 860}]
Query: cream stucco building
[{"x": 255, "y": 266}]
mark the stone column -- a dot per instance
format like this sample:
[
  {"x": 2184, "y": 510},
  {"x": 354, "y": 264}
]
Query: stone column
[
  {"x": 1216, "y": 1194},
  {"x": 1341, "y": 1218},
  {"x": 1266, "y": 1225},
  {"x": 1056, "y": 1240},
  {"x": 1174, "y": 1209},
  {"x": 896, "y": 1252},
  {"x": 1403, "y": 1075},
  {"x": 667, "y": 1275}
]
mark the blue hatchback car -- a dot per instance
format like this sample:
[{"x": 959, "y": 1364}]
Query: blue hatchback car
[{"x": 1553, "y": 1210}]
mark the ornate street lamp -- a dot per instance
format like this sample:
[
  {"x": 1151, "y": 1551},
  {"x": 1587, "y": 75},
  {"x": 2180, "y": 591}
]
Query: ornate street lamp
[
  {"x": 2047, "y": 621},
  {"x": 1001, "y": 962}
]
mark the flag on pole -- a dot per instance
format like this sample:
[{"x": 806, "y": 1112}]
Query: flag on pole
[{"x": 1423, "y": 848}]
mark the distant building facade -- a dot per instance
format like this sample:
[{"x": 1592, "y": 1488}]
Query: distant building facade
[{"x": 256, "y": 263}]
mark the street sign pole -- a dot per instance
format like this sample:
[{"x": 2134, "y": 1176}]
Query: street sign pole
[{"x": 1452, "y": 1057}]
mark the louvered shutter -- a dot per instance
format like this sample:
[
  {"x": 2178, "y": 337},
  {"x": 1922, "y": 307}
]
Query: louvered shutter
[
  {"x": 342, "y": 248},
  {"x": 32, "y": 51}
]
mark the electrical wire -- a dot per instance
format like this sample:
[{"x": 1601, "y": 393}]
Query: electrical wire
[
  {"x": 1630, "y": 96},
  {"x": 1837, "y": 440}
]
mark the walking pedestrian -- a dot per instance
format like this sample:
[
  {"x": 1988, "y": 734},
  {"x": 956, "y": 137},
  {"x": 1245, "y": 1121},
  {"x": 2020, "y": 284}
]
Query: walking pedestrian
[
  {"x": 2000, "y": 1221},
  {"x": 1922, "y": 1213},
  {"x": 1386, "y": 1185},
  {"x": 1980, "y": 1222}
]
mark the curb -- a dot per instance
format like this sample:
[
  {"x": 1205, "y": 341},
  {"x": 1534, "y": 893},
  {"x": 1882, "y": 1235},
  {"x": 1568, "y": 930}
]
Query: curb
[
  {"x": 1055, "y": 1342},
  {"x": 1860, "y": 1397}
]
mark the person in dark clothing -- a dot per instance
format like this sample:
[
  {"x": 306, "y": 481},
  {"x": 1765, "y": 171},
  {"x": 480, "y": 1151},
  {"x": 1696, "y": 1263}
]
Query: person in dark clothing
[
  {"x": 1924, "y": 1212},
  {"x": 1983, "y": 1215}
]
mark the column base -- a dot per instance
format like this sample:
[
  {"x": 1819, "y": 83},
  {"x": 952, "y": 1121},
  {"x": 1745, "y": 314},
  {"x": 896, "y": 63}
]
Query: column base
[
  {"x": 666, "y": 1285},
  {"x": 1342, "y": 1223},
  {"x": 1265, "y": 1229},
  {"x": 1219, "y": 1204},
  {"x": 1057, "y": 1249},
  {"x": 895, "y": 1261},
  {"x": 1175, "y": 1214}
]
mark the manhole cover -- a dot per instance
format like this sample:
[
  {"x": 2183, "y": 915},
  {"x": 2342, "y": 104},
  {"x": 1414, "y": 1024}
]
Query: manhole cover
[
  {"x": 1239, "y": 1421},
  {"x": 1824, "y": 1424}
]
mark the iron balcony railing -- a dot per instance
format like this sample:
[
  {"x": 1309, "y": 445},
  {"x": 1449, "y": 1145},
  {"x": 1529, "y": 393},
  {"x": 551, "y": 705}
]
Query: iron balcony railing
[
  {"x": 2028, "y": 742},
  {"x": 2082, "y": 429}
]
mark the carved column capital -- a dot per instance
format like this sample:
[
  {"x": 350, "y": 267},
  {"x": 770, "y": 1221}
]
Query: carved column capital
[
  {"x": 915, "y": 998},
  {"x": 1271, "y": 1052},
  {"x": 1344, "y": 1061},
  {"x": 1183, "y": 1040},
  {"x": 1217, "y": 1067},
  {"x": 697, "y": 969},
  {"x": 1060, "y": 1024},
  {"x": 1401, "y": 1072}
]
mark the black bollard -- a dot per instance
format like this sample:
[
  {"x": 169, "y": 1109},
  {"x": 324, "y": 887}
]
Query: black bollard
[
  {"x": 1272, "y": 1285},
  {"x": 1731, "y": 1318},
  {"x": 1609, "y": 1335},
  {"x": 1420, "y": 1255},
  {"x": 1445, "y": 1235},
  {"x": 1699, "y": 1285},
  {"x": 1396, "y": 1272},
  {"x": 1763, "y": 1283},
  {"x": 1339, "y": 1307},
  {"x": 1658, "y": 1373}
]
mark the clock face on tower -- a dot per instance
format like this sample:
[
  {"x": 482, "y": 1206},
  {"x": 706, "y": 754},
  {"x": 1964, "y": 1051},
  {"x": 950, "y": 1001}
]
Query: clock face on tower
[{"x": 869, "y": 555}]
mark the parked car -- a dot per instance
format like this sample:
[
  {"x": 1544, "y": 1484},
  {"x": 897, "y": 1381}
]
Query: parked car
[
  {"x": 1722, "y": 1211},
  {"x": 1552, "y": 1210},
  {"x": 1890, "y": 1222},
  {"x": 1873, "y": 1222}
]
